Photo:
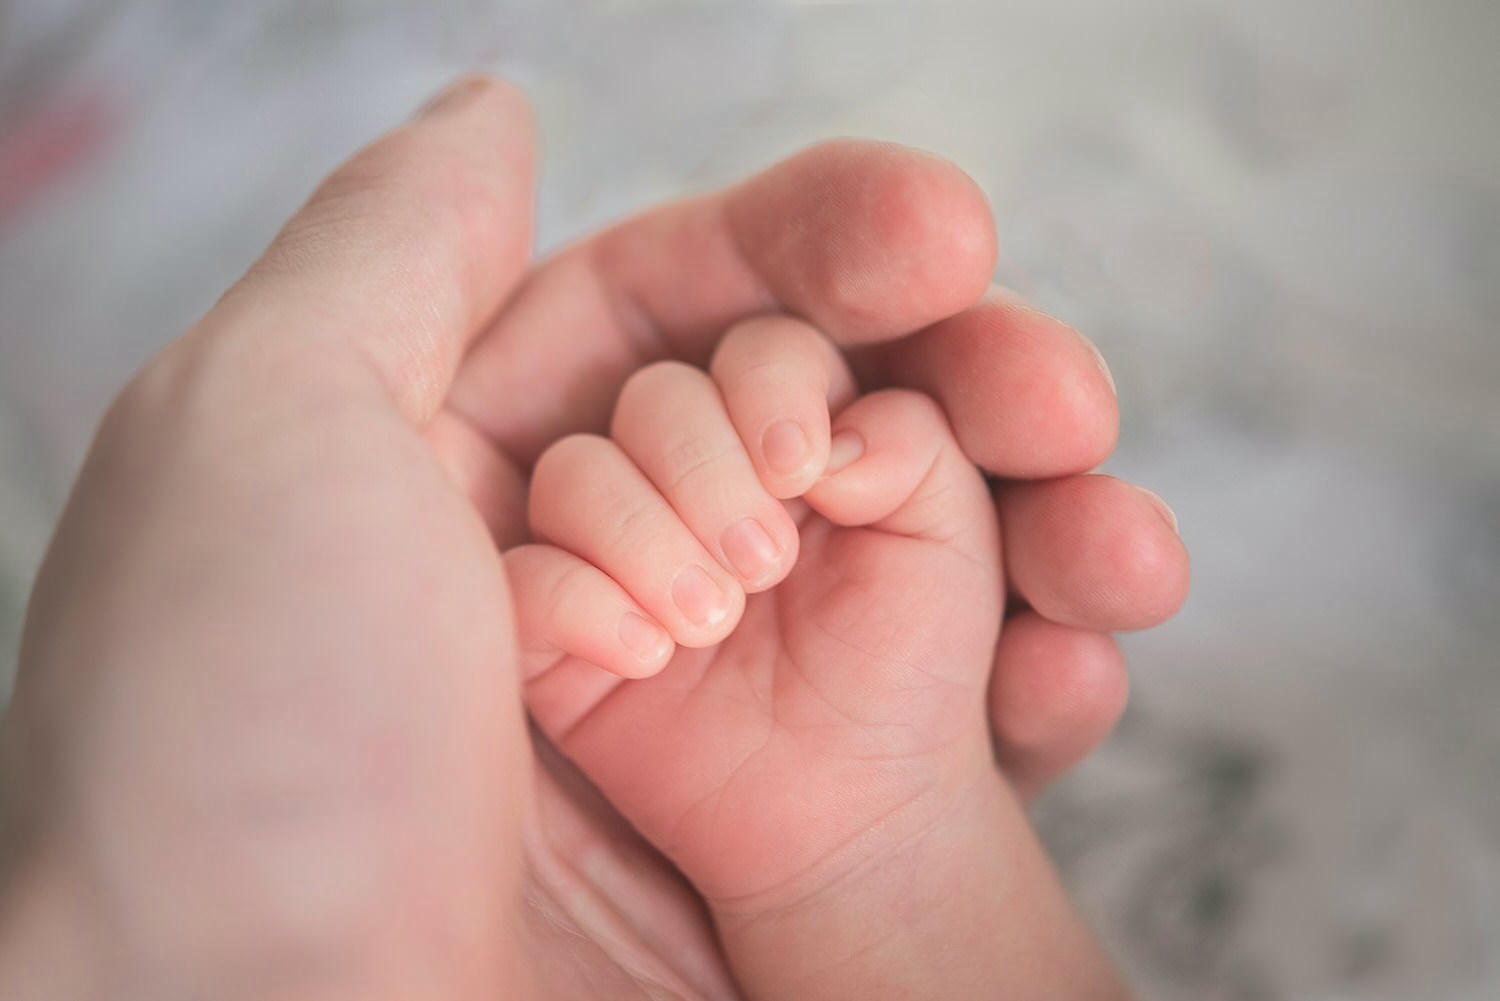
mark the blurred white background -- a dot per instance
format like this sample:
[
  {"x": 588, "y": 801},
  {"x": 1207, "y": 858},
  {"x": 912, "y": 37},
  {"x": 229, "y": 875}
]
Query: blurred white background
[{"x": 1280, "y": 221}]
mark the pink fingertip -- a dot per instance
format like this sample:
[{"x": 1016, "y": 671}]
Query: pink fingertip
[
  {"x": 1162, "y": 508},
  {"x": 643, "y": 637},
  {"x": 699, "y": 598}
]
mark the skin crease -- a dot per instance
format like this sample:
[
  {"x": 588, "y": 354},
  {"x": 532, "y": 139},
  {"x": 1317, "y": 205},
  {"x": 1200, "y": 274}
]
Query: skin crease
[{"x": 266, "y": 738}]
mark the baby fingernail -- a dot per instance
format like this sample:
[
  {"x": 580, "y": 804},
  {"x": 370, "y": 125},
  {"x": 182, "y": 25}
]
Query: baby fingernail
[
  {"x": 845, "y": 449},
  {"x": 642, "y": 636},
  {"x": 785, "y": 447},
  {"x": 699, "y": 598},
  {"x": 750, "y": 550}
]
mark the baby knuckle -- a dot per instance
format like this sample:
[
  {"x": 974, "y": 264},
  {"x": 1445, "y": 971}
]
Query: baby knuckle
[
  {"x": 689, "y": 457},
  {"x": 567, "y": 591},
  {"x": 565, "y": 458},
  {"x": 631, "y": 524},
  {"x": 646, "y": 387},
  {"x": 910, "y": 405},
  {"x": 748, "y": 336},
  {"x": 654, "y": 377}
]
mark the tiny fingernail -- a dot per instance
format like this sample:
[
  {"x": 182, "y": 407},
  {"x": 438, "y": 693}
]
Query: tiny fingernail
[
  {"x": 641, "y": 636},
  {"x": 785, "y": 447},
  {"x": 699, "y": 598},
  {"x": 845, "y": 448},
  {"x": 750, "y": 550},
  {"x": 1162, "y": 508}
]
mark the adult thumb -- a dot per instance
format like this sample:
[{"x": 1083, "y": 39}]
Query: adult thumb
[{"x": 400, "y": 257}]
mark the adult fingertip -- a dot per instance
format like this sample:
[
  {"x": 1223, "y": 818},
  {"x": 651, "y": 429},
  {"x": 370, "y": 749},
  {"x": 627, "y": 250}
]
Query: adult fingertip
[
  {"x": 947, "y": 218},
  {"x": 472, "y": 88},
  {"x": 1056, "y": 695},
  {"x": 1078, "y": 403},
  {"x": 1094, "y": 552},
  {"x": 401, "y": 253},
  {"x": 938, "y": 222},
  {"x": 888, "y": 238},
  {"x": 1027, "y": 394},
  {"x": 1151, "y": 564},
  {"x": 1055, "y": 684},
  {"x": 1162, "y": 508}
]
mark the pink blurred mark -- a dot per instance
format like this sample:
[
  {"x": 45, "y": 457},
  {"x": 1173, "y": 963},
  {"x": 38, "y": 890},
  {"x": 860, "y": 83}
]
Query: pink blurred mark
[{"x": 63, "y": 136}]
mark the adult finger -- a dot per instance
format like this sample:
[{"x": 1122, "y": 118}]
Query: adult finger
[
  {"x": 1028, "y": 396},
  {"x": 866, "y": 241},
  {"x": 1055, "y": 695},
  {"x": 398, "y": 258},
  {"x": 1093, "y": 552}
]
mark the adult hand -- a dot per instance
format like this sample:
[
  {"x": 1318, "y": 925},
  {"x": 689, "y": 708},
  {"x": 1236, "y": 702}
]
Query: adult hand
[{"x": 266, "y": 737}]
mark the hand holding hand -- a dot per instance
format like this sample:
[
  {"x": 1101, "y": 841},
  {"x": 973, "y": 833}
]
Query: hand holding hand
[{"x": 266, "y": 734}]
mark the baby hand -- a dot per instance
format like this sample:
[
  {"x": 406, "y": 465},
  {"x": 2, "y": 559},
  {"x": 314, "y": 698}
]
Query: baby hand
[
  {"x": 787, "y": 696},
  {"x": 812, "y": 675}
]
